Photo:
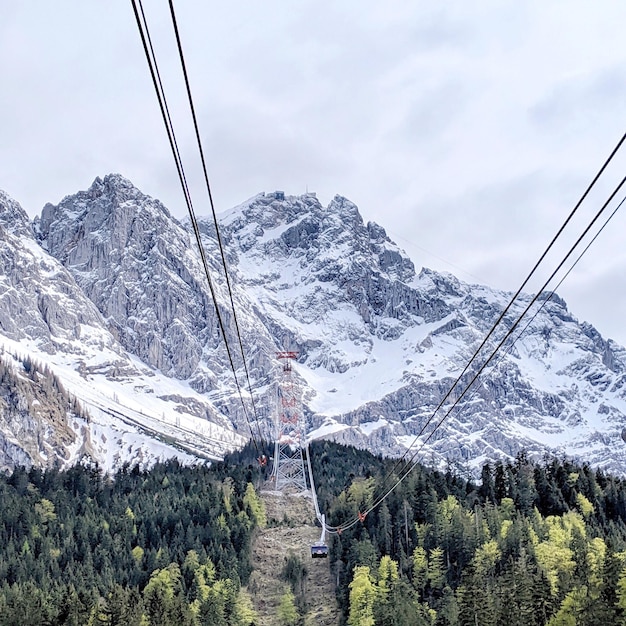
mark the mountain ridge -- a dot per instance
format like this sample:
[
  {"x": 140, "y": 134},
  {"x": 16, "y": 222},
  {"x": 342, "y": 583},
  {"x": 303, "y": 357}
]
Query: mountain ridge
[{"x": 379, "y": 343}]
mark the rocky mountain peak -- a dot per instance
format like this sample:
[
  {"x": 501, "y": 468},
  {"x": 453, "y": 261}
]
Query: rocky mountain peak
[
  {"x": 32, "y": 283},
  {"x": 379, "y": 346},
  {"x": 440, "y": 282},
  {"x": 269, "y": 210},
  {"x": 119, "y": 191},
  {"x": 13, "y": 218},
  {"x": 283, "y": 226},
  {"x": 112, "y": 204},
  {"x": 135, "y": 262},
  {"x": 347, "y": 211}
]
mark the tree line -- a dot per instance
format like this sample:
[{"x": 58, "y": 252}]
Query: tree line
[
  {"x": 530, "y": 544},
  {"x": 138, "y": 547}
]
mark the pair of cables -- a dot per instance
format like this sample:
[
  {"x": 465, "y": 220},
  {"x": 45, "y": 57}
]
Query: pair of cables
[
  {"x": 148, "y": 48},
  {"x": 411, "y": 462}
]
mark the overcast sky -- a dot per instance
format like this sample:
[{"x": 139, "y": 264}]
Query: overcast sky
[{"x": 467, "y": 129}]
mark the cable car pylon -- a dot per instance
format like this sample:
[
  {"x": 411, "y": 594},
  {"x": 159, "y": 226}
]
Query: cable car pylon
[{"x": 288, "y": 472}]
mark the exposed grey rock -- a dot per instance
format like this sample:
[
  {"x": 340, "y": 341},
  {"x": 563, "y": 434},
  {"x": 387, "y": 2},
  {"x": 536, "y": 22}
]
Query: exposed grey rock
[
  {"x": 38, "y": 297},
  {"x": 379, "y": 345},
  {"x": 131, "y": 258},
  {"x": 35, "y": 415},
  {"x": 13, "y": 218},
  {"x": 141, "y": 269},
  {"x": 44, "y": 313},
  {"x": 337, "y": 289}
]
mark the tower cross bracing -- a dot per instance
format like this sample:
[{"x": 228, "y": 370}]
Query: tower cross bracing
[{"x": 288, "y": 472}]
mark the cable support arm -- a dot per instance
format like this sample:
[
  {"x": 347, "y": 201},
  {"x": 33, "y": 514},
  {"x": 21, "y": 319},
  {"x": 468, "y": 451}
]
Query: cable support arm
[{"x": 318, "y": 514}]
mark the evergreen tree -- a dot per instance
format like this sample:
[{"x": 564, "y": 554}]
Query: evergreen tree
[{"x": 362, "y": 598}]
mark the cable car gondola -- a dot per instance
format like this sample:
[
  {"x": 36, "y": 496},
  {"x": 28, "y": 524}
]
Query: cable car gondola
[{"x": 319, "y": 551}]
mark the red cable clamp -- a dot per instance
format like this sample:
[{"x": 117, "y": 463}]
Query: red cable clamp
[{"x": 362, "y": 516}]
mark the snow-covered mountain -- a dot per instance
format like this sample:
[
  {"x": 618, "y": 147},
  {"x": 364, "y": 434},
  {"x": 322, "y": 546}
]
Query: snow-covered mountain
[
  {"x": 380, "y": 344},
  {"x": 135, "y": 412},
  {"x": 106, "y": 289}
]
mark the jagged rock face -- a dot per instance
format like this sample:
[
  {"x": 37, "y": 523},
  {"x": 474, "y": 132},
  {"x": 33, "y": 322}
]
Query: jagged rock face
[
  {"x": 379, "y": 344},
  {"x": 39, "y": 300},
  {"x": 142, "y": 270},
  {"x": 332, "y": 287},
  {"x": 331, "y": 274},
  {"x": 12, "y": 216},
  {"x": 380, "y": 347},
  {"x": 45, "y": 315},
  {"x": 134, "y": 261}
]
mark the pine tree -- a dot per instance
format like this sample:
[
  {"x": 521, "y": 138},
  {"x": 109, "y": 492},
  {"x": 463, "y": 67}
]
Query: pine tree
[{"x": 420, "y": 570}]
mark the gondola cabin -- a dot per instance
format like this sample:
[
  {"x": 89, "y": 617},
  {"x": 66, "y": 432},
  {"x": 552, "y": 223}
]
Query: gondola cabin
[{"x": 319, "y": 551}]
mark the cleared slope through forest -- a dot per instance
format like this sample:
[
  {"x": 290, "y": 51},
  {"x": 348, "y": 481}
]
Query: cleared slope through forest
[{"x": 291, "y": 530}]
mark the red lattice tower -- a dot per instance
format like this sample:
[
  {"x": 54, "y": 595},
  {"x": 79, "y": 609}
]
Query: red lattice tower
[{"x": 288, "y": 472}]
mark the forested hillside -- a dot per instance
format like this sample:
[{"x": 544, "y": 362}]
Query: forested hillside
[
  {"x": 530, "y": 544},
  {"x": 36, "y": 415},
  {"x": 166, "y": 546}
]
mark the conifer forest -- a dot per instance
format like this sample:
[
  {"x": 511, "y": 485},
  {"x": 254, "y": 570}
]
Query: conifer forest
[{"x": 528, "y": 544}]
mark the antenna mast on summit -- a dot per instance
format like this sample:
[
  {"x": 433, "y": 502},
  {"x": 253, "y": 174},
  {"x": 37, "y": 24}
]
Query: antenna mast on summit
[{"x": 288, "y": 473}]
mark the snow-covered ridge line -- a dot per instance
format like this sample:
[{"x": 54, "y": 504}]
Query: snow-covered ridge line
[{"x": 107, "y": 289}]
